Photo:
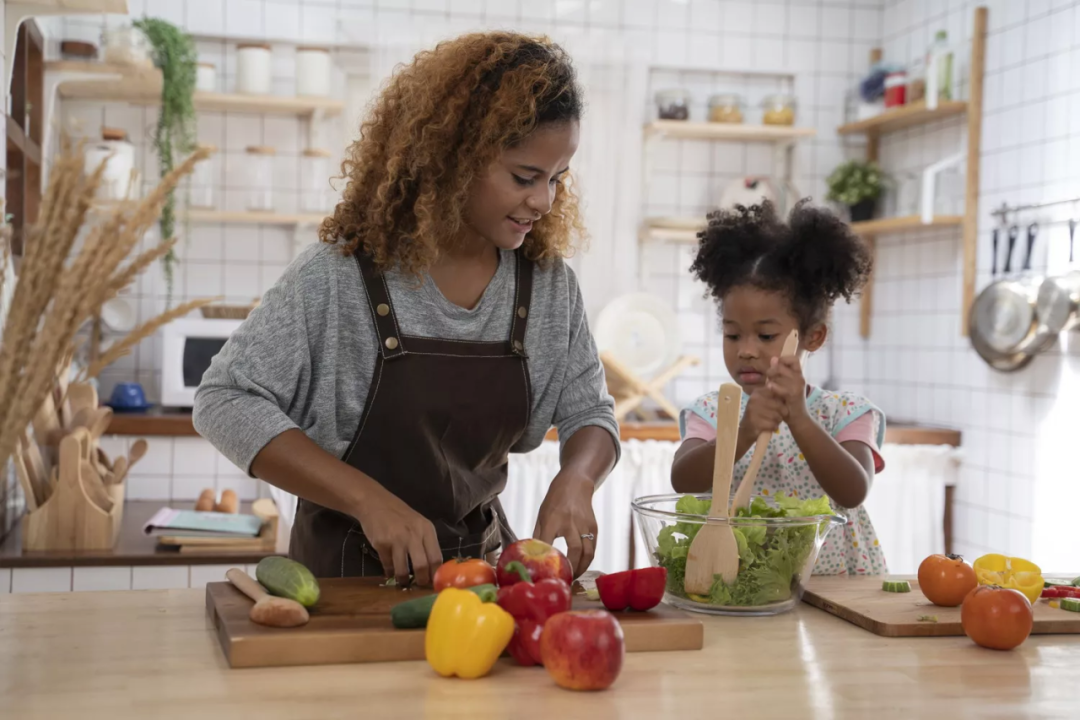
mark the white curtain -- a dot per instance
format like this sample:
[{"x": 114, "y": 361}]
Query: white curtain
[{"x": 907, "y": 503}]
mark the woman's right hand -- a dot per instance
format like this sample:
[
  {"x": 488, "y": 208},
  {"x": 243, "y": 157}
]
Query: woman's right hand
[
  {"x": 764, "y": 413},
  {"x": 400, "y": 535}
]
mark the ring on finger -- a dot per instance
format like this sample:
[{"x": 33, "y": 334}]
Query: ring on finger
[{"x": 588, "y": 536}]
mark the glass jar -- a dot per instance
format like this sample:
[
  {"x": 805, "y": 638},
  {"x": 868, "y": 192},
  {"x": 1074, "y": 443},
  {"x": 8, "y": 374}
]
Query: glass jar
[
  {"x": 916, "y": 81},
  {"x": 126, "y": 45},
  {"x": 315, "y": 180},
  {"x": 253, "y": 69},
  {"x": 206, "y": 77},
  {"x": 260, "y": 178},
  {"x": 203, "y": 180},
  {"x": 313, "y": 71},
  {"x": 726, "y": 108},
  {"x": 673, "y": 104},
  {"x": 778, "y": 109}
]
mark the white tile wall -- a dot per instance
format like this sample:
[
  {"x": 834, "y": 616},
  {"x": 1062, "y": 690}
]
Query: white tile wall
[
  {"x": 81, "y": 579},
  {"x": 37, "y": 580},
  {"x": 5, "y": 581},
  {"x": 101, "y": 578},
  {"x": 159, "y": 577}
]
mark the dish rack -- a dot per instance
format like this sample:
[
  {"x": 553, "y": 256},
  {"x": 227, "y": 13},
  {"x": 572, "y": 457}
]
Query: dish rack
[{"x": 228, "y": 312}]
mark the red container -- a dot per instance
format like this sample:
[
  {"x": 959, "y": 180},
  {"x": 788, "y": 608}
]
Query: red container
[{"x": 895, "y": 89}]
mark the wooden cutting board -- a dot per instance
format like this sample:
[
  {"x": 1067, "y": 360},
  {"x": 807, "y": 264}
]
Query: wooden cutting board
[
  {"x": 351, "y": 624},
  {"x": 860, "y": 600}
]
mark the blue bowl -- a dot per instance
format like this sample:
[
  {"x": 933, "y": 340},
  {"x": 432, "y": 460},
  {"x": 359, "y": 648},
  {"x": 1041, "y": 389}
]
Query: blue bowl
[{"x": 128, "y": 397}]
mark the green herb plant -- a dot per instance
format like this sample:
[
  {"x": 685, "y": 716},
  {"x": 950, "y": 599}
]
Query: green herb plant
[
  {"x": 854, "y": 181},
  {"x": 175, "y": 56}
]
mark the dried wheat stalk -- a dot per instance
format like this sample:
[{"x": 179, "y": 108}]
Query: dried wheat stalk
[
  {"x": 58, "y": 290},
  {"x": 121, "y": 348}
]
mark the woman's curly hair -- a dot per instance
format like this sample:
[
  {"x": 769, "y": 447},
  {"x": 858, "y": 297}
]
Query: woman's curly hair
[
  {"x": 438, "y": 124},
  {"x": 814, "y": 259}
]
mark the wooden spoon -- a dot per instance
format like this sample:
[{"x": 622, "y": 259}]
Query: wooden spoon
[
  {"x": 268, "y": 610},
  {"x": 746, "y": 487},
  {"x": 119, "y": 471},
  {"x": 138, "y": 449},
  {"x": 714, "y": 550},
  {"x": 94, "y": 486},
  {"x": 82, "y": 395},
  {"x": 99, "y": 422}
]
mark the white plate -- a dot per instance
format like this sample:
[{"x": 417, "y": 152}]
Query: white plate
[
  {"x": 118, "y": 315},
  {"x": 641, "y": 331}
]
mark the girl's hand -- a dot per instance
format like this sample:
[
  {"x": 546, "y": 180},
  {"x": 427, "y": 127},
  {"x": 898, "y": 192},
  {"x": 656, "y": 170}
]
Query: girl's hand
[
  {"x": 785, "y": 379},
  {"x": 764, "y": 412}
]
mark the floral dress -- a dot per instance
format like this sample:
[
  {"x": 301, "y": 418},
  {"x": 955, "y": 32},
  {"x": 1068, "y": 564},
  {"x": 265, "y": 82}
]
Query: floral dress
[{"x": 854, "y": 550}]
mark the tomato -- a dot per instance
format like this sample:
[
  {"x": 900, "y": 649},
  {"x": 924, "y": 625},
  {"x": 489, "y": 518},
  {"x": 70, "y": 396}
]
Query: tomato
[
  {"x": 995, "y": 617},
  {"x": 463, "y": 573},
  {"x": 946, "y": 580}
]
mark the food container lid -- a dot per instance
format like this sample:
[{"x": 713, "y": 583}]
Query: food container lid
[
  {"x": 778, "y": 99},
  {"x": 256, "y": 46},
  {"x": 205, "y": 64},
  {"x": 726, "y": 99},
  {"x": 316, "y": 152},
  {"x": 312, "y": 48},
  {"x": 108, "y": 133},
  {"x": 261, "y": 150}
]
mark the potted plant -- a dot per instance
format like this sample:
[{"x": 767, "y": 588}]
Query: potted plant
[{"x": 858, "y": 185}]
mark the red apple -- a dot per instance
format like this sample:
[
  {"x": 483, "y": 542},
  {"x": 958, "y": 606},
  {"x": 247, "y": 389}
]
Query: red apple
[
  {"x": 583, "y": 650},
  {"x": 542, "y": 561}
]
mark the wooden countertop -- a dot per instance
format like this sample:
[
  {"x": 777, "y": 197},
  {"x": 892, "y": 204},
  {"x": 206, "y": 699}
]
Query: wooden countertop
[
  {"x": 133, "y": 547},
  {"x": 179, "y": 425},
  {"x": 154, "y": 654}
]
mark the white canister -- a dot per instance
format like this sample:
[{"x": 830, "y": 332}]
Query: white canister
[
  {"x": 253, "y": 69},
  {"x": 315, "y": 181},
  {"x": 118, "y": 181},
  {"x": 206, "y": 77},
  {"x": 312, "y": 71},
  {"x": 260, "y": 178},
  {"x": 204, "y": 180}
]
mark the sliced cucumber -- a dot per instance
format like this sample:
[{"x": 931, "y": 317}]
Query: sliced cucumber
[
  {"x": 927, "y": 618},
  {"x": 1071, "y": 604},
  {"x": 896, "y": 586}
]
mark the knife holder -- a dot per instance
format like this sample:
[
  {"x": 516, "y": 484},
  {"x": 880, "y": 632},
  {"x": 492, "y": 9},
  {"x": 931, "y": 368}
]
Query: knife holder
[{"x": 69, "y": 519}]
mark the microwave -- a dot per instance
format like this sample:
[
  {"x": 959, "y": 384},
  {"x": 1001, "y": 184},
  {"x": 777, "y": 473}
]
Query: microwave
[{"x": 188, "y": 347}]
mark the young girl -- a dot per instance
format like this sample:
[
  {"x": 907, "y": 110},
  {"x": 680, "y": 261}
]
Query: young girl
[{"x": 769, "y": 279}]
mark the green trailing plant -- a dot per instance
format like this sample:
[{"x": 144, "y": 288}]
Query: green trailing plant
[
  {"x": 175, "y": 56},
  {"x": 854, "y": 181}
]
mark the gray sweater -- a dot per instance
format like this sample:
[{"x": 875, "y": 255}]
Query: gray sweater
[{"x": 305, "y": 357}]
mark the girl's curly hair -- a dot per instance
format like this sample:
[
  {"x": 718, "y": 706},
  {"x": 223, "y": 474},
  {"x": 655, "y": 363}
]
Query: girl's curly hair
[
  {"x": 438, "y": 124},
  {"x": 813, "y": 259}
]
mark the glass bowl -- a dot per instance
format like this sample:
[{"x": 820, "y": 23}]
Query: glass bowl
[{"x": 781, "y": 551}]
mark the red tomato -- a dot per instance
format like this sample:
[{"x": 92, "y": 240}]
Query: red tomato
[
  {"x": 995, "y": 617},
  {"x": 463, "y": 573},
  {"x": 946, "y": 580}
]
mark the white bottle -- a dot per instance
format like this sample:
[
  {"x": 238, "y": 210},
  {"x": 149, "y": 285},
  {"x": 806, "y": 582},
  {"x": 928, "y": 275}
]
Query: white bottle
[{"x": 939, "y": 61}]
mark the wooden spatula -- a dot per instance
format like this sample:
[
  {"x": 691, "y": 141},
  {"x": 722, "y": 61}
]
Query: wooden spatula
[
  {"x": 714, "y": 550},
  {"x": 746, "y": 488},
  {"x": 268, "y": 610}
]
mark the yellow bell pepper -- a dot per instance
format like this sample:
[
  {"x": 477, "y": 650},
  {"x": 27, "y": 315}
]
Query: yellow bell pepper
[
  {"x": 465, "y": 636},
  {"x": 1010, "y": 572}
]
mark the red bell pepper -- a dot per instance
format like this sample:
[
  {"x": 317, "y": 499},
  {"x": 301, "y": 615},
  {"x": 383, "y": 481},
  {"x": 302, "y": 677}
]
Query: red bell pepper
[
  {"x": 531, "y": 604},
  {"x": 641, "y": 589},
  {"x": 1061, "y": 591}
]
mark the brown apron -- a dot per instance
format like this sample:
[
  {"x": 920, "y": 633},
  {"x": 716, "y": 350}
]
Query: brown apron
[{"x": 440, "y": 418}]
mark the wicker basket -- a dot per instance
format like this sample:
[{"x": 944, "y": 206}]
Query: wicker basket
[{"x": 228, "y": 312}]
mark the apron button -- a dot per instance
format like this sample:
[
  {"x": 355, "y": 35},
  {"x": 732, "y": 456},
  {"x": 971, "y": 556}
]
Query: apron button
[
  {"x": 383, "y": 309},
  {"x": 391, "y": 343},
  {"x": 522, "y": 312},
  {"x": 518, "y": 346}
]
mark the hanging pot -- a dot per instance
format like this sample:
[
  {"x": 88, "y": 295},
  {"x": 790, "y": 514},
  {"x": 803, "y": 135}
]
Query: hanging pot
[{"x": 1059, "y": 297}]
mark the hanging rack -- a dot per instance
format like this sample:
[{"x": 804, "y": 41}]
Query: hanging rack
[{"x": 1005, "y": 210}]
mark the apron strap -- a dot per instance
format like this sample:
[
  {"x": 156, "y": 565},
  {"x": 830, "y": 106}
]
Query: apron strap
[
  {"x": 522, "y": 303},
  {"x": 391, "y": 343}
]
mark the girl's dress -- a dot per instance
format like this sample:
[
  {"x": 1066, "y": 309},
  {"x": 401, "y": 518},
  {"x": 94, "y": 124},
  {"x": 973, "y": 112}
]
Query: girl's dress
[{"x": 847, "y": 417}]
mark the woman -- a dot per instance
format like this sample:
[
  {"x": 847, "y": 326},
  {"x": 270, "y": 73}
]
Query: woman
[{"x": 387, "y": 376}]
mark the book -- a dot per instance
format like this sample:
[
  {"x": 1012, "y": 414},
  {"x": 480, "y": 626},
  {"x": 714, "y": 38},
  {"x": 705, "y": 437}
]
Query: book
[{"x": 189, "y": 523}]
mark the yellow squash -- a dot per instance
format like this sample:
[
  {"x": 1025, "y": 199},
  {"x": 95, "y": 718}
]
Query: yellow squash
[
  {"x": 1010, "y": 572},
  {"x": 465, "y": 636}
]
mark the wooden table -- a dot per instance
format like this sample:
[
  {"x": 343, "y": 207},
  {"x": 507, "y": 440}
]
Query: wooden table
[{"x": 152, "y": 654}]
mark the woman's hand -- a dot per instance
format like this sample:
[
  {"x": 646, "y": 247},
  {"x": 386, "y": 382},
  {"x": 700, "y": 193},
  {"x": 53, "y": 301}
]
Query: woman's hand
[
  {"x": 567, "y": 512},
  {"x": 400, "y": 535},
  {"x": 785, "y": 380}
]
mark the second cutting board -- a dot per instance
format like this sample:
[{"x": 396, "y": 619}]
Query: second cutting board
[
  {"x": 861, "y": 601},
  {"x": 351, "y": 624}
]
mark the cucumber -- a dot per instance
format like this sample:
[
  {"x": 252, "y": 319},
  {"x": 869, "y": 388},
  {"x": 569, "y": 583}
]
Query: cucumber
[
  {"x": 288, "y": 579},
  {"x": 414, "y": 613},
  {"x": 1071, "y": 604},
  {"x": 896, "y": 586}
]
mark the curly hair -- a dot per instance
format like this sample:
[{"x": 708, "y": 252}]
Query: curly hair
[
  {"x": 437, "y": 126},
  {"x": 814, "y": 259}
]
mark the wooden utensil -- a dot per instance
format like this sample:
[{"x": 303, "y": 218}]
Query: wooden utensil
[
  {"x": 135, "y": 454},
  {"x": 714, "y": 550},
  {"x": 746, "y": 487},
  {"x": 119, "y": 471},
  {"x": 82, "y": 395},
  {"x": 94, "y": 486},
  {"x": 24, "y": 479},
  {"x": 82, "y": 418},
  {"x": 99, "y": 422},
  {"x": 36, "y": 467},
  {"x": 63, "y": 380},
  {"x": 268, "y": 610},
  {"x": 46, "y": 422}
]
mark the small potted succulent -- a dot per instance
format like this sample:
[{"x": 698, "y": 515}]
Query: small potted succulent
[{"x": 858, "y": 185}]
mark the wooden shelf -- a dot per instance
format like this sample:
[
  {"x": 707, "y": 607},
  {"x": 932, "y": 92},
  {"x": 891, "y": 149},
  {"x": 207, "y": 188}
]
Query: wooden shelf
[
  {"x": 141, "y": 86},
  {"x": 904, "y": 117},
  {"x": 252, "y": 218},
  {"x": 684, "y": 130},
  {"x": 112, "y": 7},
  {"x": 884, "y": 226},
  {"x": 672, "y": 229}
]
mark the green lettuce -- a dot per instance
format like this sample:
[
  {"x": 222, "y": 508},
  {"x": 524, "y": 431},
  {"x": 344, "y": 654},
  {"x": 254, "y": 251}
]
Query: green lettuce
[{"x": 769, "y": 560}]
